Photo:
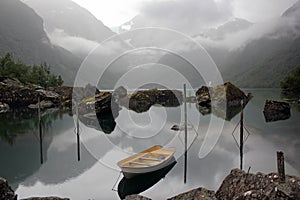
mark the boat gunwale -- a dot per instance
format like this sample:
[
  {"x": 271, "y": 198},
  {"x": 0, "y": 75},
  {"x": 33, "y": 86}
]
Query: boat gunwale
[{"x": 123, "y": 164}]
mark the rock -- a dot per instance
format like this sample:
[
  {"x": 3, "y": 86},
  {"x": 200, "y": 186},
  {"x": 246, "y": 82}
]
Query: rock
[
  {"x": 141, "y": 101},
  {"x": 276, "y": 110},
  {"x": 136, "y": 197},
  {"x": 204, "y": 110},
  {"x": 120, "y": 93},
  {"x": 203, "y": 96},
  {"x": 4, "y": 107},
  {"x": 240, "y": 185},
  {"x": 169, "y": 98},
  {"x": 48, "y": 94},
  {"x": 10, "y": 81},
  {"x": 65, "y": 94},
  {"x": 46, "y": 198},
  {"x": 103, "y": 109},
  {"x": 17, "y": 96},
  {"x": 229, "y": 95},
  {"x": 196, "y": 194},
  {"x": 177, "y": 127},
  {"x": 43, "y": 105},
  {"x": 80, "y": 93},
  {"x": 222, "y": 100},
  {"x": 100, "y": 104},
  {"x": 6, "y": 193}
]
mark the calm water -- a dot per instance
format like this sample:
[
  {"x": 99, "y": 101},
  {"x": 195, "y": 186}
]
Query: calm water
[{"x": 94, "y": 176}]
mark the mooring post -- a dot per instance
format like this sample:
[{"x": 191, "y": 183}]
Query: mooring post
[
  {"x": 185, "y": 133},
  {"x": 77, "y": 132},
  {"x": 241, "y": 135},
  {"x": 280, "y": 166}
]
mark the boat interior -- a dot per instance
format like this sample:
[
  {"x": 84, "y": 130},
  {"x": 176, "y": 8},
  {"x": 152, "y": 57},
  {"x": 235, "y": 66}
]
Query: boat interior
[{"x": 150, "y": 157}]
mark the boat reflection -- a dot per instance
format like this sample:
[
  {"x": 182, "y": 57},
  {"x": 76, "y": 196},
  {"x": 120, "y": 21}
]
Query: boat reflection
[{"x": 141, "y": 183}]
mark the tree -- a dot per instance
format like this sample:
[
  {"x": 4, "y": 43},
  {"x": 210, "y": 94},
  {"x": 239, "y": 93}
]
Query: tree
[
  {"x": 39, "y": 75},
  {"x": 292, "y": 81}
]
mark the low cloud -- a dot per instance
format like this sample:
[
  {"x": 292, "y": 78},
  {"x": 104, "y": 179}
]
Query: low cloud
[
  {"x": 187, "y": 16},
  {"x": 76, "y": 45}
]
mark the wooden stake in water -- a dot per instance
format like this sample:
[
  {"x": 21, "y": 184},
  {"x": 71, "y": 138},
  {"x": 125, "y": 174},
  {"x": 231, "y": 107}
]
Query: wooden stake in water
[
  {"x": 40, "y": 131},
  {"x": 241, "y": 135},
  {"x": 280, "y": 166},
  {"x": 185, "y": 133},
  {"x": 77, "y": 133}
]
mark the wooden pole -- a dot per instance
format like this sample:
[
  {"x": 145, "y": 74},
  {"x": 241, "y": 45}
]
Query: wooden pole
[
  {"x": 241, "y": 136},
  {"x": 280, "y": 166},
  {"x": 185, "y": 134},
  {"x": 77, "y": 133},
  {"x": 40, "y": 131}
]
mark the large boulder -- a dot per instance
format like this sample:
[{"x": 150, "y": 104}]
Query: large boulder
[
  {"x": 169, "y": 98},
  {"x": 203, "y": 96},
  {"x": 5, "y": 191},
  {"x": 276, "y": 110},
  {"x": 229, "y": 95},
  {"x": 224, "y": 100},
  {"x": 100, "y": 104},
  {"x": 241, "y": 185},
  {"x": 141, "y": 101}
]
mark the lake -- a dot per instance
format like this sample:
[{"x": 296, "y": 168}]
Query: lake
[{"x": 210, "y": 157}]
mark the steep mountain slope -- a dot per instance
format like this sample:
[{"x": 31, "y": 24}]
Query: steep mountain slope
[
  {"x": 266, "y": 61},
  {"x": 22, "y": 34},
  {"x": 71, "y": 18}
]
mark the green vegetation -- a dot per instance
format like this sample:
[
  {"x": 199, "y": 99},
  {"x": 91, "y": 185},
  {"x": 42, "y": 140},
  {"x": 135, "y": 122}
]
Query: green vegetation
[
  {"x": 292, "y": 81},
  {"x": 39, "y": 75}
]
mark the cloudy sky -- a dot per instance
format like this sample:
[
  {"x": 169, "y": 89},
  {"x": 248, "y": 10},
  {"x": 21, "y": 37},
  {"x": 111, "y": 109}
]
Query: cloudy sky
[{"x": 115, "y": 12}]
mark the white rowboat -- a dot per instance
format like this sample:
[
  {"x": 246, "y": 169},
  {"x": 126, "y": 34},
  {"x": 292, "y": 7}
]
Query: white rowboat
[{"x": 150, "y": 160}]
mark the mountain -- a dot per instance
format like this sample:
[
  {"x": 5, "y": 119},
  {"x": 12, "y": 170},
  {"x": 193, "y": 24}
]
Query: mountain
[
  {"x": 71, "y": 18},
  {"x": 265, "y": 62},
  {"x": 23, "y": 35},
  {"x": 292, "y": 11}
]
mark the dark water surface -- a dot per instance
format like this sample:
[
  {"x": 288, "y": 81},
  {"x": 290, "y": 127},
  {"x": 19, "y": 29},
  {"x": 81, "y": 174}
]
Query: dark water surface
[{"x": 93, "y": 177}]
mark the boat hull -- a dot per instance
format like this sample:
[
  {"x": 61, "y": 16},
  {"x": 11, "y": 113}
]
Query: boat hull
[{"x": 134, "y": 172}]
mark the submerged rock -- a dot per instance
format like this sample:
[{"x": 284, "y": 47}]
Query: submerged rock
[
  {"x": 5, "y": 191},
  {"x": 276, "y": 110},
  {"x": 196, "y": 194}
]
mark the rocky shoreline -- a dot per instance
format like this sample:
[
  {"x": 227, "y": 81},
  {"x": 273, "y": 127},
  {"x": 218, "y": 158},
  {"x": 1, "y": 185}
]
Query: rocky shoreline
[
  {"x": 238, "y": 185},
  {"x": 224, "y": 101}
]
